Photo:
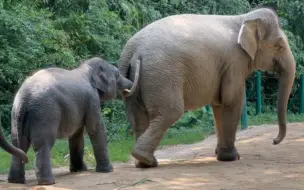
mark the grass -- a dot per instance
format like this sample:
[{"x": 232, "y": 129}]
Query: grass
[
  {"x": 119, "y": 151},
  {"x": 267, "y": 118}
]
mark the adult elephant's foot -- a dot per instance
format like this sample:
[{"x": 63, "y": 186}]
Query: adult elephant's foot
[
  {"x": 104, "y": 168},
  {"x": 139, "y": 164},
  {"x": 78, "y": 167},
  {"x": 46, "y": 181},
  {"x": 227, "y": 154},
  {"x": 144, "y": 159}
]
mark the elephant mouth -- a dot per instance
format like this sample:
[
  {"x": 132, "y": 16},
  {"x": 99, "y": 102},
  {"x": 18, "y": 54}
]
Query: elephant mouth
[{"x": 104, "y": 96}]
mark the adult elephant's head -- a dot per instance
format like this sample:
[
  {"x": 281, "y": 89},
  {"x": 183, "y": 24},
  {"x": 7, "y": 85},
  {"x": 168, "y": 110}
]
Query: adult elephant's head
[
  {"x": 264, "y": 41},
  {"x": 107, "y": 79}
]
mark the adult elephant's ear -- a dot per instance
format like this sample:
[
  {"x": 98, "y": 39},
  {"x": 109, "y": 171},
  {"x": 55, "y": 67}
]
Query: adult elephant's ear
[
  {"x": 250, "y": 34},
  {"x": 99, "y": 81}
]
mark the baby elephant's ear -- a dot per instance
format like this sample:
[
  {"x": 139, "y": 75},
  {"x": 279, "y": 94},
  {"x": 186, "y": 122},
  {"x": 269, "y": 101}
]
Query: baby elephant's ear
[{"x": 99, "y": 81}]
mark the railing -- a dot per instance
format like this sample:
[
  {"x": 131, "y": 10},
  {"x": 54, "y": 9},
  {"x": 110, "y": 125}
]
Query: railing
[{"x": 257, "y": 76}]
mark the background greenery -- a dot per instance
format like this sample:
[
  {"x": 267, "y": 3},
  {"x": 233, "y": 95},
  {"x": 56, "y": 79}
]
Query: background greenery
[{"x": 35, "y": 34}]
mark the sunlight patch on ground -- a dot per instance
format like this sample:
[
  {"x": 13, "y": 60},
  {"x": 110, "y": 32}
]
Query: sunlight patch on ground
[
  {"x": 255, "y": 139},
  {"x": 48, "y": 188},
  {"x": 272, "y": 172},
  {"x": 185, "y": 183},
  {"x": 299, "y": 140}
]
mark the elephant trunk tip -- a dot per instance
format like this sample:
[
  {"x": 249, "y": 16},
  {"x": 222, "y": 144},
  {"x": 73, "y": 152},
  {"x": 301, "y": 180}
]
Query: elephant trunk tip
[
  {"x": 24, "y": 159},
  {"x": 281, "y": 135}
]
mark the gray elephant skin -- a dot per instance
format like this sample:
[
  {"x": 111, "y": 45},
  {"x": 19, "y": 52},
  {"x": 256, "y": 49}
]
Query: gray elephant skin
[
  {"x": 189, "y": 61},
  {"x": 57, "y": 103},
  {"x": 9, "y": 148}
]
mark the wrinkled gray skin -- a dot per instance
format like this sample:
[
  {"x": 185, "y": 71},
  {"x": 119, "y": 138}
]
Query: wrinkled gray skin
[
  {"x": 57, "y": 103},
  {"x": 189, "y": 61},
  {"x": 11, "y": 149}
]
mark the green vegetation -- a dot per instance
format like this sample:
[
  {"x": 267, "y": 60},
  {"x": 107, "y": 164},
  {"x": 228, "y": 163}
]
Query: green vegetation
[{"x": 35, "y": 34}]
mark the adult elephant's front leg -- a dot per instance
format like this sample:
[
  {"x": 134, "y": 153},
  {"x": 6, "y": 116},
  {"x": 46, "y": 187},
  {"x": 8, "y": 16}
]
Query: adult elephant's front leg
[
  {"x": 217, "y": 113},
  {"x": 230, "y": 115},
  {"x": 98, "y": 139}
]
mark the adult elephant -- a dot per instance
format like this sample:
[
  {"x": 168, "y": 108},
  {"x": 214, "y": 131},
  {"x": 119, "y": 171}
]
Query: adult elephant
[
  {"x": 10, "y": 148},
  {"x": 58, "y": 103},
  {"x": 189, "y": 61}
]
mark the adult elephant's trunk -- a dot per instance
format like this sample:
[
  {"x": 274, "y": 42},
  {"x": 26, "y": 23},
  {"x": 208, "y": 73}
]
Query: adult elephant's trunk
[
  {"x": 286, "y": 68},
  {"x": 10, "y": 148}
]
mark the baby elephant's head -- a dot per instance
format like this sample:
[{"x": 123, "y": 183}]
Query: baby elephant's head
[{"x": 107, "y": 79}]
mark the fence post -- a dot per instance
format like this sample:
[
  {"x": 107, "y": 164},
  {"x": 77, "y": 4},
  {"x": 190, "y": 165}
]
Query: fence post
[
  {"x": 208, "y": 108},
  {"x": 258, "y": 93},
  {"x": 301, "y": 94},
  {"x": 244, "y": 118}
]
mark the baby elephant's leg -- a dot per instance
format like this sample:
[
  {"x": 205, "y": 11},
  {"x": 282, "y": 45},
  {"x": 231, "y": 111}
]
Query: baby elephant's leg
[{"x": 76, "y": 145}]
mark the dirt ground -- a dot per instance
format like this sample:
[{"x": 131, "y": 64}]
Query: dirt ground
[{"x": 262, "y": 166}]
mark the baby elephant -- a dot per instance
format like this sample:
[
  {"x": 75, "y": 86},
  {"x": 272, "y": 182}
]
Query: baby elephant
[{"x": 57, "y": 103}]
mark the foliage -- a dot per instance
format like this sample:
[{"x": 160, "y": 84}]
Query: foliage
[{"x": 35, "y": 34}]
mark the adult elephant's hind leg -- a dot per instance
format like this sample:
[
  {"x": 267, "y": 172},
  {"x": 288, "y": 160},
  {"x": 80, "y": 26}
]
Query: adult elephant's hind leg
[
  {"x": 167, "y": 111},
  {"x": 141, "y": 125},
  {"x": 76, "y": 145}
]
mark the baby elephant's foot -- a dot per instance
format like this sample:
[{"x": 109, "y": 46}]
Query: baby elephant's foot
[
  {"x": 16, "y": 176},
  {"x": 104, "y": 168},
  {"x": 78, "y": 168},
  {"x": 216, "y": 150},
  {"x": 144, "y": 159},
  {"x": 16, "y": 180},
  {"x": 139, "y": 164},
  {"x": 46, "y": 181},
  {"x": 227, "y": 154}
]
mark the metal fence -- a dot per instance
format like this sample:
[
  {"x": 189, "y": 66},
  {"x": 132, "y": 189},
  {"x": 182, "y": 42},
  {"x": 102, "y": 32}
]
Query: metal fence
[{"x": 298, "y": 99}]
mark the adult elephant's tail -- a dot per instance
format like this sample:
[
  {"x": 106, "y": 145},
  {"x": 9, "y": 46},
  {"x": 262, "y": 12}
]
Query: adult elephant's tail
[
  {"x": 128, "y": 93},
  {"x": 130, "y": 68},
  {"x": 10, "y": 148}
]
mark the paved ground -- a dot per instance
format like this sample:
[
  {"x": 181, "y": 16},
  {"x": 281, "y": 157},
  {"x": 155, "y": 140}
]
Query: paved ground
[{"x": 262, "y": 166}]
